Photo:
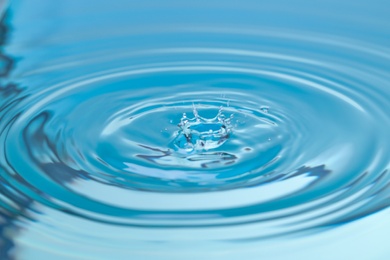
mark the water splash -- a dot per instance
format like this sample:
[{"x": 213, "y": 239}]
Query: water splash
[{"x": 202, "y": 134}]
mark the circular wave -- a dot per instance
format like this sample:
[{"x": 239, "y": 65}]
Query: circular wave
[{"x": 305, "y": 152}]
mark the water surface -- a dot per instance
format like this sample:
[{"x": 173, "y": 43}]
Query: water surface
[{"x": 190, "y": 130}]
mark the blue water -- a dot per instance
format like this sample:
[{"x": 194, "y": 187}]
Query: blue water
[{"x": 194, "y": 129}]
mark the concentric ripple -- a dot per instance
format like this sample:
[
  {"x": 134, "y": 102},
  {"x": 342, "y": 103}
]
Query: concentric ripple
[{"x": 285, "y": 135}]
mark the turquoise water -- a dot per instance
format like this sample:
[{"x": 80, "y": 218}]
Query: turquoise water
[{"x": 195, "y": 129}]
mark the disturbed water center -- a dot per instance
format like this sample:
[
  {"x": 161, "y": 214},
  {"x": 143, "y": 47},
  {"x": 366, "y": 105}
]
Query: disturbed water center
[{"x": 202, "y": 134}]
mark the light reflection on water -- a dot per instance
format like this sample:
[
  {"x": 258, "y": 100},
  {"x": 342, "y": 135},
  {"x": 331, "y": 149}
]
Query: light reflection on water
[{"x": 98, "y": 160}]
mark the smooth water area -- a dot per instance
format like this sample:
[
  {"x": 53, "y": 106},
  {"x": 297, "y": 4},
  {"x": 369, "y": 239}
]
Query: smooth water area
[{"x": 194, "y": 130}]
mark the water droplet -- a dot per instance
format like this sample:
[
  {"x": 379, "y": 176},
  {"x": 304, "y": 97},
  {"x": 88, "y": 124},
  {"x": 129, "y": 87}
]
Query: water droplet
[
  {"x": 264, "y": 109},
  {"x": 195, "y": 112}
]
